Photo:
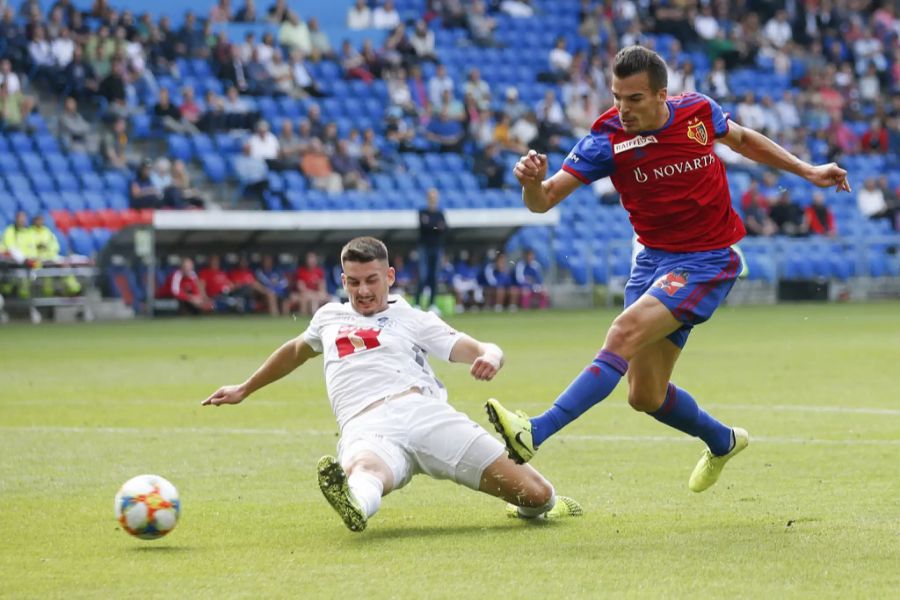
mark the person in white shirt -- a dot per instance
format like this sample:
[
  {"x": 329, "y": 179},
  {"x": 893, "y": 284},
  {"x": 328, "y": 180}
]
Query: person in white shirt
[
  {"x": 437, "y": 84},
  {"x": 778, "y": 30},
  {"x": 392, "y": 411},
  {"x": 359, "y": 16},
  {"x": 263, "y": 143},
  {"x": 385, "y": 17},
  {"x": 872, "y": 204}
]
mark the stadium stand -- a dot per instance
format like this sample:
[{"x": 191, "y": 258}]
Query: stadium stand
[{"x": 826, "y": 85}]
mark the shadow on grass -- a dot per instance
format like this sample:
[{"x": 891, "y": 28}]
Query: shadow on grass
[
  {"x": 403, "y": 531},
  {"x": 167, "y": 549}
]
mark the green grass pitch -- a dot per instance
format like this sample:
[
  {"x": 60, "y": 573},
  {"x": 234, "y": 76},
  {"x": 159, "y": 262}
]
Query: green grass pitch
[{"x": 812, "y": 509}]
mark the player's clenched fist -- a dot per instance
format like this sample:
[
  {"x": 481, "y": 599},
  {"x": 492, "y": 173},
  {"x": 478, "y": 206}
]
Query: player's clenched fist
[{"x": 531, "y": 168}]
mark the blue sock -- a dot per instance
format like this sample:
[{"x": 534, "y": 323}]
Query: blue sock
[
  {"x": 594, "y": 384},
  {"x": 680, "y": 411}
]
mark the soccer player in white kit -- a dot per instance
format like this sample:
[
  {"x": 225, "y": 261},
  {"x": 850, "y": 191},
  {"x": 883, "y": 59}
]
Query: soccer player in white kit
[{"x": 391, "y": 409}]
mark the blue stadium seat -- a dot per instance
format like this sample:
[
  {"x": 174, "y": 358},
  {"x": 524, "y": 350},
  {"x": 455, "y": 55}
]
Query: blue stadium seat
[
  {"x": 116, "y": 182},
  {"x": 294, "y": 181},
  {"x": 81, "y": 242},
  {"x": 214, "y": 167},
  {"x": 81, "y": 162},
  {"x": 73, "y": 201},
  {"x": 202, "y": 144},
  {"x": 41, "y": 181},
  {"x": 20, "y": 142},
  {"x": 91, "y": 181},
  {"x": 116, "y": 200},
  {"x": 101, "y": 237},
  {"x": 52, "y": 201},
  {"x": 94, "y": 200},
  {"x": 65, "y": 182},
  {"x": 179, "y": 147},
  {"x": 28, "y": 203}
]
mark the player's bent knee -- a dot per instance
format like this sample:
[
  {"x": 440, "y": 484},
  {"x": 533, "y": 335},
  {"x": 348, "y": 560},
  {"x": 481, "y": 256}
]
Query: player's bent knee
[
  {"x": 642, "y": 401},
  {"x": 537, "y": 491}
]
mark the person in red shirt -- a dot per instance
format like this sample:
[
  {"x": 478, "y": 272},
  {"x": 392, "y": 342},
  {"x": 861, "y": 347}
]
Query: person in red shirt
[
  {"x": 220, "y": 287},
  {"x": 311, "y": 289},
  {"x": 876, "y": 138},
  {"x": 819, "y": 218},
  {"x": 243, "y": 278},
  {"x": 186, "y": 287},
  {"x": 658, "y": 152}
]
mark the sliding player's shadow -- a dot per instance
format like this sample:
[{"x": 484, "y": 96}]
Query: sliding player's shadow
[{"x": 404, "y": 531}]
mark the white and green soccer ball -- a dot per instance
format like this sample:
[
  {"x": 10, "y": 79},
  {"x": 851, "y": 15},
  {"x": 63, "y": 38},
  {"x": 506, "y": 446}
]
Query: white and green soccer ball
[{"x": 147, "y": 507}]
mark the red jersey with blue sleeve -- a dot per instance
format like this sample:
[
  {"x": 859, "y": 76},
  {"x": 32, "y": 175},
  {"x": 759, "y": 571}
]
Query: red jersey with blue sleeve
[{"x": 671, "y": 182}]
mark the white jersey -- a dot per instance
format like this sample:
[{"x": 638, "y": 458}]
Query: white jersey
[{"x": 370, "y": 358}]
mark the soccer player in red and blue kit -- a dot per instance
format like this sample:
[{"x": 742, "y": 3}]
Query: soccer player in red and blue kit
[{"x": 658, "y": 150}]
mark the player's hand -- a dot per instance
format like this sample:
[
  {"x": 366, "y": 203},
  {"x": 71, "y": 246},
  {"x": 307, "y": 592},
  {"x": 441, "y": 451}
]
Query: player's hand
[
  {"x": 830, "y": 175},
  {"x": 485, "y": 367},
  {"x": 531, "y": 168},
  {"x": 229, "y": 394}
]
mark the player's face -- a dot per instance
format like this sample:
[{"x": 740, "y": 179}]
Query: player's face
[
  {"x": 640, "y": 108},
  {"x": 367, "y": 285}
]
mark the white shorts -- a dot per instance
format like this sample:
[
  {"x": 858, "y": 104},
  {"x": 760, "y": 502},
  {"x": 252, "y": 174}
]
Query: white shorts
[{"x": 416, "y": 434}]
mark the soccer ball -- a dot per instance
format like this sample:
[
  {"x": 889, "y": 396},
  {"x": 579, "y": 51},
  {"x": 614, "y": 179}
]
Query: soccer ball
[{"x": 147, "y": 507}]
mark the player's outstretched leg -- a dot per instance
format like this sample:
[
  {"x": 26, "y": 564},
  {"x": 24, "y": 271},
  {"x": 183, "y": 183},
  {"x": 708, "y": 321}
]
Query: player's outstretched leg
[
  {"x": 333, "y": 483},
  {"x": 710, "y": 466},
  {"x": 529, "y": 495}
]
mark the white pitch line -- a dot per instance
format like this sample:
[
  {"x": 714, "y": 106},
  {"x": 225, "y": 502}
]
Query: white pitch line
[
  {"x": 853, "y": 410},
  {"x": 307, "y": 432}
]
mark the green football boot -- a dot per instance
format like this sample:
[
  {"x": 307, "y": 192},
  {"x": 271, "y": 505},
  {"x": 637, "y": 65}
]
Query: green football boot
[
  {"x": 333, "y": 483},
  {"x": 514, "y": 428},
  {"x": 709, "y": 467},
  {"x": 564, "y": 507}
]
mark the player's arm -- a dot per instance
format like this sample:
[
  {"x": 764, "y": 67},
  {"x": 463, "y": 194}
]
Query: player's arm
[
  {"x": 761, "y": 149},
  {"x": 486, "y": 358},
  {"x": 541, "y": 195},
  {"x": 288, "y": 357}
]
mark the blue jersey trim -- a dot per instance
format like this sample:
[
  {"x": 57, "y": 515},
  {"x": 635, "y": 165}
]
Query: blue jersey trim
[{"x": 668, "y": 121}]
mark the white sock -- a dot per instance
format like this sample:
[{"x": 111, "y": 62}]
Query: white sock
[
  {"x": 367, "y": 489},
  {"x": 531, "y": 512}
]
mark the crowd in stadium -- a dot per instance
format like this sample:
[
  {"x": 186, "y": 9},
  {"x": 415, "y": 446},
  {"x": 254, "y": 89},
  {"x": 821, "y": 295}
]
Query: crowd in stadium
[{"x": 822, "y": 78}]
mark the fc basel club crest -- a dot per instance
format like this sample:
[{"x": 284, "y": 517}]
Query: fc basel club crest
[
  {"x": 672, "y": 282},
  {"x": 697, "y": 131}
]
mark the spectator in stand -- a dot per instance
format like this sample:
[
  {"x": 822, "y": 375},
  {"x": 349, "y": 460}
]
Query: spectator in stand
[
  {"x": 78, "y": 77},
  {"x": 113, "y": 88},
  {"x": 438, "y": 84},
  {"x": 418, "y": 90},
  {"x": 359, "y": 16},
  {"x": 290, "y": 148},
  {"x": 264, "y": 145},
  {"x": 274, "y": 280},
  {"x": 14, "y": 108},
  {"x": 524, "y": 132},
  {"x": 9, "y": 77},
  {"x": 422, "y": 42},
  {"x": 818, "y": 217},
  {"x": 114, "y": 146},
  {"x": 466, "y": 284},
  {"x": 19, "y": 242},
  {"x": 520, "y": 9},
  {"x": 321, "y": 44},
  {"x": 316, "y": 165},
  {"x": 221, "y": 12},
  {"x": 280, "y": 75},
  {"x": 404, "y": 278},
  {"x": 190, "y": 109},
  {"x": 214, "y": 118},
  {"x": 750, "y": 114},
  {"x": 310, "y": 286},
  {"x": 373, "y": 61},
  {"x": 481, "y": 27},
  {"x": 396, "y": 50},
  {"x": 489, "y": 167},
  {"x": 43, "y": 64},
  {"x": 252, "y": 173},
  {"x": 788, "y": 217},
  {"x": 432, "y": 235},
  {"x": 245, "y": 282},
  {"x": 246, "y": 13},
  {"x": 757, "y": 221},
  {"x": 73, "y": 129},
  {"x": 582, "y": 111},
  {"x": 235, "y": 72},
  {"x": 875, "y": 140},
  {"x": 161, "y": 175},
  {"x": 478, "y": 88},
  {"x": 226, "y": 296},
  {"x": 560, "y": 60},
  {"x": 512, "y": 107},
  {"x": 349, "y": 168},
  {"x": 398, "y": 132},
  {"x": 295, "y": 34},
  {"x": 143, "y": 194},
  {"x": 873, "y": 204},
  {"x": 278, "y": 12},
  {"x": 184, "y": 286},
  {"x": 445, "y": 133},
  {"x": 385, "y": 16},
  {"x": 716, "y": 84},
  {"x": 529, "y": 276},
  {"x": 258, "y": 75},
  {"x": 169, "y": 115},
  {"x": 499, "y": 288},
  {"x": 353, "y": 63}
]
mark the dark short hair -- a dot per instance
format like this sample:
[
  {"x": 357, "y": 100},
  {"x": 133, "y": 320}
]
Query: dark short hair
[
  {"x": 637, "y": 59},
  {"x": 363, "y": 250}
]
